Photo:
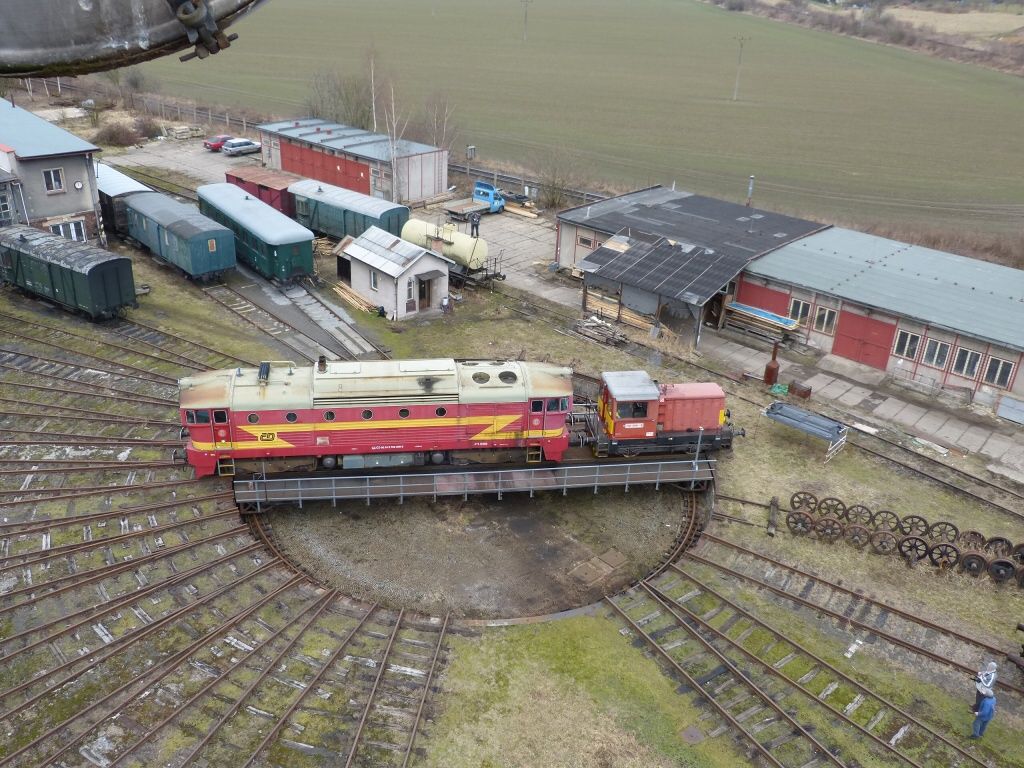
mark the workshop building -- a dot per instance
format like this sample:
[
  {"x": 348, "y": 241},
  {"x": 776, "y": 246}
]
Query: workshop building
[
  {"x": 355, "y": 159},
  {"x": 47, "y": 178},
  {"x": 940, "y": 321}
]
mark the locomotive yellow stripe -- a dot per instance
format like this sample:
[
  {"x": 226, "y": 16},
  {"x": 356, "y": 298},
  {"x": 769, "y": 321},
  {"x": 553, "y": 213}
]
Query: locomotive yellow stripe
[{"x": 494, "y": 427}]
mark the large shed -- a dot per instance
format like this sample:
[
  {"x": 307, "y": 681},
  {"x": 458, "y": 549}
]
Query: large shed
[
  {"x": 356, "y": 159},
  {"x": 393, "y": 273}
]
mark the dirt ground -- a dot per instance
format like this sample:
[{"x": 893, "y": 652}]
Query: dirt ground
[{"x": 484, "y": 558}]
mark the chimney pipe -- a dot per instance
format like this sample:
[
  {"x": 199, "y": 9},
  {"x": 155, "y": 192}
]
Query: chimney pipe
[{"x": 771, "y": 371}]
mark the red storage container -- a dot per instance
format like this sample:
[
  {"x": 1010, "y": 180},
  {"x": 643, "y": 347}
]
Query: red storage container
[{"x": 687, "y": 407}]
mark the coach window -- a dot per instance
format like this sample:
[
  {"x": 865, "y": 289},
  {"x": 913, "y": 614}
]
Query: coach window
[
  {"x": 537, "y": 406},
  {"x": 367, "y": 414},
  {"x": 253, "y": 418},
  {"x": 328, "y": 415},
  {"x": 220, "y": 417},
  {"x": 441, "y": 412},
  {"x": 211, "y": 246},
  {"x": 291, "y": 418}
]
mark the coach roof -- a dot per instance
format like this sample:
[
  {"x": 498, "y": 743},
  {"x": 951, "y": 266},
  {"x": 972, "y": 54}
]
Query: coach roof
[
  {"x": 268, "y": 224},
  {"x": 54, "y": 249},
  {"x": 181, "y": 219}
]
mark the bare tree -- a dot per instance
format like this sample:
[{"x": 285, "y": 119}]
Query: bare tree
[
  {"x": 440, "y": 128},
  {"x": 395, "y": 125},
  {"x": 347, "y": 100},
  {"x": 557, "y": 174}
]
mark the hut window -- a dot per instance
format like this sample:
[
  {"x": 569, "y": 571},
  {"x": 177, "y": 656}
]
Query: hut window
[
  {"x": 998, "y": 372},
  {"x": 825, "y": 320},
  {"x": 585, "y": 242},
  {"x": 936, "y": 354},
  {"x": 373, "y": 280},
  {"x": 966, "y": 363},
  {"x": 799, "y": 310},
  {"x": 906, "y": 345}
]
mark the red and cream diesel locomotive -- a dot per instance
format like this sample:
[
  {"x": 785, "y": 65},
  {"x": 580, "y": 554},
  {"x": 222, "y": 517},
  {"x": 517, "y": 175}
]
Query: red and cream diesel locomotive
[{"x": 395, "y": 413}]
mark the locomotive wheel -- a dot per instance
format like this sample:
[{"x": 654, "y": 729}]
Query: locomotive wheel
[
  {"x": 828, "y": 529},
  {"x": 831, "y": 507},
  {"x": 943, "y": 531},
  {"x": 883, "y": 542},
  {"x": 974, "y": 563},
  {"x": 803, "y": 500},
  {"x": 858, "y": 515},
  {"x": 857, "y": 536},
  {"x": 1018, "y": 554},
  {"x": 913, "y": 548},
  {"x": 972, "y": 540},
  {"x": 799, "y": 523},
  {"x": 914, "y": 525},
  {"x": 998, "y": 546},
  {"x": 883, "y": 520},
  {"x": 944, "y": 555},
  {"x": 1002, "y": 570}
]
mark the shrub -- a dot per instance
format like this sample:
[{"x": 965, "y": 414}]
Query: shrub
[
  {"x": 116, "y": 135},
  {"x": 147, "y": 126}
]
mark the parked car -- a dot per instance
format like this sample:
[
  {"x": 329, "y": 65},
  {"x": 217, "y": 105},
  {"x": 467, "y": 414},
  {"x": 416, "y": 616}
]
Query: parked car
[
  {"x": 214, "y": 143},
  {"x": 240, "y": 147}
]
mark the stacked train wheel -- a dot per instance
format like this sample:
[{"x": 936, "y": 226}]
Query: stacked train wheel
[{"x": 941, "y": 544}]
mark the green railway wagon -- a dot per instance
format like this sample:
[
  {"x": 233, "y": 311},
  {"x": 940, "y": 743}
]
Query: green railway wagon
[
  {"x": 180, "y": 235},
  {"x": 265, "y": 239},
  {"x": 75, "y": 275},
  {"x": 340, "y": 212}
]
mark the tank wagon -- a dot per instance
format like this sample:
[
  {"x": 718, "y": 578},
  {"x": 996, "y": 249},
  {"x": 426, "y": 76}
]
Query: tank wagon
[
  {"x": 468, "y": 252},
  {"x": 75, "y": 275},
  {"x": 265, "y": 239},
  {"x": 267, "y": 185},
  {"x": 395, "y": 413},
  {"x": 180, "y": 235},
  {"x": 113, "y": 186},
  {"x": 342, "y": 212}
]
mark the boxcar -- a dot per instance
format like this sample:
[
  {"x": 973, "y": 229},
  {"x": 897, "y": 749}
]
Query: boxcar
[
  {"x": 75, "y": 275},
  {"x": 113, "y": 186},
  {"x": 267, "y": 185},
  {"x": 265, "y": 239},
  {"x": 180, "y": 235},
  {"x": 341, "y": 212}
]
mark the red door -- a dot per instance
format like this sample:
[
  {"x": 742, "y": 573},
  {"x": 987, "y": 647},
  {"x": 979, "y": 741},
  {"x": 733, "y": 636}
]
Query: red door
[{"x": 864, "y": 339}]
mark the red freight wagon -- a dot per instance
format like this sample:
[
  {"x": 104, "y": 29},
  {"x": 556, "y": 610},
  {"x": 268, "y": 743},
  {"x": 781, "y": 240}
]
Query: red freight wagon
[
  {"x": 267, "y": 185},
  {"x": 688, "y": 407}
]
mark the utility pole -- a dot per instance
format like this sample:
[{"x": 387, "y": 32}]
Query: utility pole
[
  {"x": 739, "y": 65},
  {"x": 526, "y": 11}
]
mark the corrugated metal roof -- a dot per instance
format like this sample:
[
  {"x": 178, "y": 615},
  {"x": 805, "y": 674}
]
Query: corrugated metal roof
[
  {"x": 345, "y": 138},
  {"x": 630, "y": 385},
  {"x": 112, "y": 182},
  {"x": 78, "y": 257},
  {"x": 31, "y": 136},
  {"x": 944, "y": 290},
  {"x": 265, "y": 177},
  {"x": 345, "y": 198},
  {"x": 267, "y": 223},
  {"x": 718, "y": 225},
  {"x": 387, "y": 253},
  {"x": 183, "y": 219}
]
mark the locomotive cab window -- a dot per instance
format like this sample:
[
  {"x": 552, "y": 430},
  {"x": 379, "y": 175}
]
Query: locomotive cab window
[
  {"x": 220, "y": 417},
  {"x": 537, "y": 406},
  {"x": 197, "y": 417},
  {"x": 632, "y": 410},
  {"x": 558, "y": 404}
]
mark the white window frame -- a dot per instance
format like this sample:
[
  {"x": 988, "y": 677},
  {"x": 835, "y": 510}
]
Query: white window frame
[
  {"x": 374, "y": 282},
  {"x": 828, "y": 327},
  {"x": 409, "y": 289},
  {"x": 907, "y": 345},
  {"x": 962, "y": 370},
  {"x": 931, "y": 353},
  {"x": 53, "y": 180},
  {"x": 801, "y": 315},
  {"x": 583, "y": 241},
  {"x": 6, "y": 210},
  {"x": 1001, "y": 365},
  {"x": 69, "y": 229}
]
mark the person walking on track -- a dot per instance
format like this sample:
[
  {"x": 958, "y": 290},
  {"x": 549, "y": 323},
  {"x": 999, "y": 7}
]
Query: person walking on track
[{"x": 986, "y": 711}]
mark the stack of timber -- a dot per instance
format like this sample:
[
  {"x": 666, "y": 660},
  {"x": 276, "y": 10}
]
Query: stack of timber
[
  {"x": 759, "y": 322},
  {"x": 520, "y": 210},
  {"x": 597, "y": 329},
  {"x": 610, "y": 309},
  {"x": 353, "y": 298}
]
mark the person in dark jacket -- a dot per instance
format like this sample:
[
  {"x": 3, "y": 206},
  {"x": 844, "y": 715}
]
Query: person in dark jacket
[
  {"x": 474, "y": 224},
  {"x": 986, "y": 711}
]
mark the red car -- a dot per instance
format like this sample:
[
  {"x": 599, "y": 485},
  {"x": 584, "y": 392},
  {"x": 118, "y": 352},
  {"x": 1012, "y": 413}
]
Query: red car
[{"x": 214, "y": 143}]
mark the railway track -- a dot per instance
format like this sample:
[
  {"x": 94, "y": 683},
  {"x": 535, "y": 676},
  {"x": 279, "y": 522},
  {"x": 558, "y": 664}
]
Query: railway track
[{"x": 264, "y": 321}]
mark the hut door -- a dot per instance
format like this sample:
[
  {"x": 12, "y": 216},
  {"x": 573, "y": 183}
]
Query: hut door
[{"x": 424, "y": 294}]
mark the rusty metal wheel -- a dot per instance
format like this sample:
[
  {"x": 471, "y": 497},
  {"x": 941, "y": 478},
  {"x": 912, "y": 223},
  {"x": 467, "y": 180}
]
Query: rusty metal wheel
[
  {"x": 1018, "y": 554},
  {"x": 1002, "y": 570},
  {"x": 944, "y": 555},
  {"x": 974, "y": 563},
  {"x": 943, "y": 531},
  {"x": 799, "y": 523},
  {"x": 828, "y": 529},
  {"x": 972, "y": 540},
  {"x": 858, "y": 515},
  {"x": 857, "y": 536},
  {"x": 913, "y": 548},
  {"x": 999, "y": 546},
  {"x": 914, "y": 525},
  {"x": 884, "y": 520},
  {"x": 803, "y": 500},
  {"x": 831, "y": 507},
  {"x": 883, "y": 542}
]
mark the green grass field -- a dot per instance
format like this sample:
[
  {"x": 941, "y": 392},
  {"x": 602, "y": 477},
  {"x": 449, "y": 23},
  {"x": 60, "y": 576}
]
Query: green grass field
[{"x": 640, "y": 92}]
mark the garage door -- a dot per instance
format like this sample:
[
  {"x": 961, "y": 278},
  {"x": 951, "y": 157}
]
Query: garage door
[
  {"x": 763, "y": 298},
  {"x": 864, "y": 339}
]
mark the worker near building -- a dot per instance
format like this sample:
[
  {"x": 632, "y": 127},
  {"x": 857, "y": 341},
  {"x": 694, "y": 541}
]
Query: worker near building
[
  {"x": 986, "y": 711},
  {"x": 985, "y": 680},
  {"x": 474, "y": 224}
]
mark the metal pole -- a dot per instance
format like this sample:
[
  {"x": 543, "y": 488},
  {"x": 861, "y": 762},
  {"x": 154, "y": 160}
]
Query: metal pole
[
  {"x": 700, "y": 434},
  {"x": 739, "y": 65}
]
